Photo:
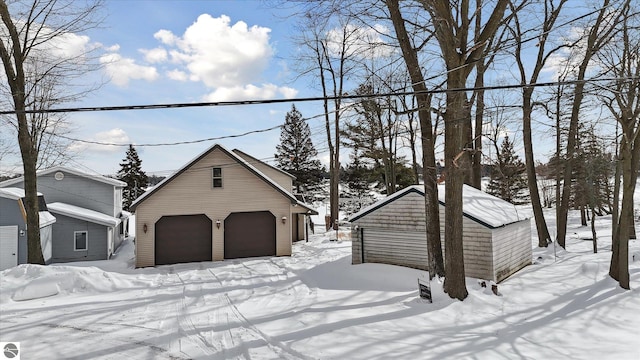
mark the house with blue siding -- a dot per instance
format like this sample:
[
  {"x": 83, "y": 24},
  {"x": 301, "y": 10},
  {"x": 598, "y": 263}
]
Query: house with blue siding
[
  {"x": 13, "y": 228},
  {"x": 90, "y": 224}
]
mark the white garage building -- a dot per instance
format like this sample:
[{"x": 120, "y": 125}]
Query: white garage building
[{"x": 496, "y": 236}]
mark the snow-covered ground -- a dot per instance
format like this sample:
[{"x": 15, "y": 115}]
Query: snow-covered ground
[{"x": 316, "y": 305}]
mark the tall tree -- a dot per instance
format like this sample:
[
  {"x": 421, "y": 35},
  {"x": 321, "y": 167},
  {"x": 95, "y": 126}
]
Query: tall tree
[
  {"x": 621, "y": 60},
  {"x": 596, "y": 36},
  {"x": 131, "y": 173},
  {"x": 327, "y": 56},
  {"x": 375, "y": 132},
  {"x": 452, "y": 24},
  {"x": 429, "y": 170},
  {"x": 296, "y": 154},
  {"x": 551, "y": 10},
  {"x": 31, "y": 32},
  {"x": 508, "y": 180}
]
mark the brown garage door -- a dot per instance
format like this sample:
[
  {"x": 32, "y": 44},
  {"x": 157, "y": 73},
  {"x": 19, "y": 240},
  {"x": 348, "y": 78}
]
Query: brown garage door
[
  {"x": 249, "y": 234},
  {"x": 182, "y": 239}
]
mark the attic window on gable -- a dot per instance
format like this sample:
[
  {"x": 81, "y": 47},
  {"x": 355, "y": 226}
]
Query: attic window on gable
[{"x": 217, "y": 177}]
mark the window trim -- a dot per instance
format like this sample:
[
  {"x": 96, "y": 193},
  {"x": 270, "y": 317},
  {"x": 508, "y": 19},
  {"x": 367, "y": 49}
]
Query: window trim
[
  {"x": 75, "y": 244},
  {"x": 214, "y": 177}
]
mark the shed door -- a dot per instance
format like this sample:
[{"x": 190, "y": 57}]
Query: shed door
[
  {"x": 182, "y": 239},
  {"x": 8, "y": 247},
  {"x": 395, "y": 247},
  {"x": 249, "y": 234}
]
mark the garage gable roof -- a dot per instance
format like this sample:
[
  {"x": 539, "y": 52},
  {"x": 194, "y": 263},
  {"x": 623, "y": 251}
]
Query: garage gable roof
[
  {"x": 483, "y": 208},
  {"x": 232, "y": 155},
  {"x": 253, "y": 159}
]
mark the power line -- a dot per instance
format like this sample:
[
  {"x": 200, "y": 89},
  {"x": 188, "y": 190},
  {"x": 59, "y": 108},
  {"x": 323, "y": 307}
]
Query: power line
[
  {"x": 168, "y": 144},
  {"x": 306, "y": 99}
]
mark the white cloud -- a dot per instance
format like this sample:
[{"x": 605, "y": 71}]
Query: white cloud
[
  {"x": 250, "y": 92},
  {"x": 177, "y": 75},
  {"x": 113, "y": 136},
  {"x": 155, "y": 55},
  {"x": 122, "y": 69},
  {"x": 219, "y": 53},
  {"x": 165, "y": 36},
  {"x": 112, "y": 48},
  {"x": 67, "y": 46}
]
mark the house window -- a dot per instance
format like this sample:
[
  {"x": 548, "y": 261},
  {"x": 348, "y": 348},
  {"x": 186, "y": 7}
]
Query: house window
[
  {"x": 81, "y": 240},
  {"x": 217, "y": 177}
]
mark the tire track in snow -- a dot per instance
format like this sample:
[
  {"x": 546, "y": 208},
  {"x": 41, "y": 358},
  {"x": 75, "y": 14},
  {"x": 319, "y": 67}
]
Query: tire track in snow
[
  {"x": 281, "y": 350},
  {"x": 159, "y": 352},
  {"x": 185, "y": 321}
]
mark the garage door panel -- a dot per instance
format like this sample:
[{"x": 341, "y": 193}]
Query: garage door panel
[
  {"x": 395, "y": 247},
  {"x": 249, "y": 234},
  {"x": 182, "y": 239}
]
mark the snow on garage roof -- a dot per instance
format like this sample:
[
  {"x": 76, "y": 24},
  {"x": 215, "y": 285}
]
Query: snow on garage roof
[{"x": 477, "y": 205}]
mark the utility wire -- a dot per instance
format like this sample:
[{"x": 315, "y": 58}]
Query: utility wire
[
  {"x": 306, "y": 99},
  {"x": 496, "y": 87}
]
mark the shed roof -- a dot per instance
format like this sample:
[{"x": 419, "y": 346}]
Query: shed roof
[
  {"x": 483, "y": 208},
  {"x": 13, "y": 193},
  {"x": 16, "y": 193},
  {"x": 99, "y": 178},
  {"x": 233, "y": 156},
  {"x": 81, "y": 213}
]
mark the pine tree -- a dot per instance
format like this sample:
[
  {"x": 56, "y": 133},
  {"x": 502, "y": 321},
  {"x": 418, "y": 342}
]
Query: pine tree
[
  {"x": 131, "y": 173},
  {"x": 508, "y": 180},
  {"x": 296, "y": 154}
]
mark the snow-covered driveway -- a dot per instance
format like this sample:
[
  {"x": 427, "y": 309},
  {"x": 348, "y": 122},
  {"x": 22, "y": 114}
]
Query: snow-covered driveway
[{"x": 315, "y": 305}]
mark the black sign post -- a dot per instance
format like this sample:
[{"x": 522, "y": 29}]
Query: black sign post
[{"x": 425, "y": 290}]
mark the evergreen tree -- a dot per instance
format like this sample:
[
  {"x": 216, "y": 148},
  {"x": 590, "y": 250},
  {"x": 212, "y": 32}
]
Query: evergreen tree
[
  {"x": 296, "y": 154},
  {"x": 508, "y": 180},
  {"x": 131, "y": 173}
]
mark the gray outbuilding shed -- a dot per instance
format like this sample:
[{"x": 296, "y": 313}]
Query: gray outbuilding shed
[
  {"x": 13, "y": 228},
  {"x": 496, "y": 236}
]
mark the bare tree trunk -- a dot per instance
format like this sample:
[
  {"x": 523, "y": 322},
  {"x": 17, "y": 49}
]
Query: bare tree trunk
[
  {"x": 429, "y": 171},
  {"x": 551, "y": 14},
  {"x": 457, "y": 163},
  {"x": 532, "y": 181},
  {"x": 335, "y": 204},
  {"x": 596, "y": 38},
  {"x": 452, "y": 21},
  {"x": 594, "y": 236},
  {"x": 14, "y": 71}
]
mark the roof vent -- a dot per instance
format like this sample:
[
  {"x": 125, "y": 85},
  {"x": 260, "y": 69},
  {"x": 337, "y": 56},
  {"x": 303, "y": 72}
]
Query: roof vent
[{"x": 59, "y": 175}]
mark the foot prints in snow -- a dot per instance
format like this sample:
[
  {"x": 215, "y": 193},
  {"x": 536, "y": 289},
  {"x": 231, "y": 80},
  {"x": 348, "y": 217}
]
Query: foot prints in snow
[{"x": 316, "y": 305}]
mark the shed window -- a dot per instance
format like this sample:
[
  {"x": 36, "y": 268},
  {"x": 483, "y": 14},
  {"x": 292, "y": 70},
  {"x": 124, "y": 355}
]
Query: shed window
[
  {"x": 81, "y": 240},
  {"x": 42, "y": 204},
  {"x": 217, "y": 177}
]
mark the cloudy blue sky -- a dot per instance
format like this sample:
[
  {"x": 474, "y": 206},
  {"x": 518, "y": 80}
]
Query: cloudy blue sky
[
  {"x": 188, "y": 51},
  {"x": 169, "y": 51}
]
